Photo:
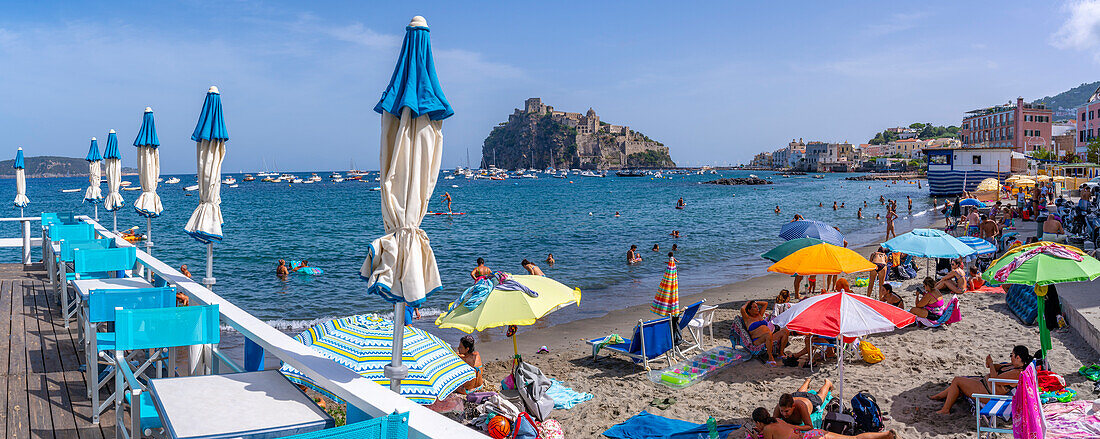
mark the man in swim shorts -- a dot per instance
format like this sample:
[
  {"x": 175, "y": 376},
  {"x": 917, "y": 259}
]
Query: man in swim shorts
[
  {"x": 446, "y": 198},
  {"x": 795, "y": 408}
]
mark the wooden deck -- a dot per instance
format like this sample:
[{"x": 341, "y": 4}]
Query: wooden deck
[{"x": 42, "y": 391}]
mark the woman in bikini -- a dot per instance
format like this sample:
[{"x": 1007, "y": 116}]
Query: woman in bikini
[
  {"x": 886, "y": 294},
  {"x": 760, "y": 330},
  {"x": 1018, "y": 360},
  {"x": 955, "y": 280},
  {"x": 879, "y": 259},
  {"x": 930, "y": 304}
]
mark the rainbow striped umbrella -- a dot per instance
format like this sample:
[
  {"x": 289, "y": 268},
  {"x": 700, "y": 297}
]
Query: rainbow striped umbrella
[
  {"x": 667, "y": 301},
  {"x": 364, "y": 344}
]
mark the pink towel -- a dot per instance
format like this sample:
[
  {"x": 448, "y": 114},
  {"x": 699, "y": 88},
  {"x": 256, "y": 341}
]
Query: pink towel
[
  {"x": 1055, "y": 250},
  {"x": 1027, "y": 411}
]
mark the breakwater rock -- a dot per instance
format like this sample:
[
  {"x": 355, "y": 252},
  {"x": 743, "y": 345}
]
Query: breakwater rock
[
  {"x": 879, "y": 177},
  {"x": 738, "y": 181}
]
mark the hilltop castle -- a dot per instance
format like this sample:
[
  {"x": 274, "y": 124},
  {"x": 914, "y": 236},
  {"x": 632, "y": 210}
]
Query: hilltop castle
[{"x": 544, "y": 137}]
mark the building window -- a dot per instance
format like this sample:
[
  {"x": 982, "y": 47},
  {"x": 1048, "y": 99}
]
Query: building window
[
  {"x": 1081, "y": 134},
  {"x": 1082, "y": 116},
  {"x": 1090, "y": 114},
  {"x": 977, "y": 159}
]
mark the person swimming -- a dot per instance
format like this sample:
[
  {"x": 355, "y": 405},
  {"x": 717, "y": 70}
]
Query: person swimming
[
  {"x": 680, "y": 203},
  {"x": 632, "y": 255},
  {"x": 859, "y": 213},
  {"x": 797, "y": 217},
  {"x": 550, "y": 259},
  {"x": 481, "y": 271},
  {"x": 304, "y": 264},
  {"x": 617, "y": 214},
  {"x": 777, "y": 209},
  {"x": 531, "y": 268},
  {"x": 834, "y": 205},
  {"x": 656, "y": 248}
]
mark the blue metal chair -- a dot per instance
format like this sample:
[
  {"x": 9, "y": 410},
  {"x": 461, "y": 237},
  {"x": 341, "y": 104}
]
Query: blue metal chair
[
  {"x": 102, "y": 308},
  {"x": 56, "y": 233},
  {"x": 68, "y": 246},
  {"x": 650, "y": 340},
  {"x": 392, "y": 426},
  {"x": 158, "y": 329},
  {"x": 684, "y": 319}
]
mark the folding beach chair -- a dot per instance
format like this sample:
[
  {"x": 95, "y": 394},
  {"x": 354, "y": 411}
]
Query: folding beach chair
[
  {"x": 64, "y": 258},
  {"x": 950, "y": 315},
  {"x": 650, "y": 340},
  {"x": 998, "y": 408},
  {"x": 96, "y": 263},
  {"x": 683, "y": 321}
]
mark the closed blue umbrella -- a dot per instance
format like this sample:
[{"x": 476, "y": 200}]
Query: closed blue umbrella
[
  {"x": 148, "y": 203},
  {"x": 811, "y": 229},
  {"x": 113, "y": 160},
  {"x": 981, "y": 246},
  {"x": 929, "y": 243},
  {"x": 210, "y": 136},
  {"x": 21, "y": 200},
  {"x": 93, "y": 193}
]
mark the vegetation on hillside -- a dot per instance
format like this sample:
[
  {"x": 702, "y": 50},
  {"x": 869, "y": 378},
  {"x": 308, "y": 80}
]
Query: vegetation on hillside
[
  {"x": 1070, "y": 98},
  {"x": 926, "y": 131},
  {"x": 649, "y": 159}
]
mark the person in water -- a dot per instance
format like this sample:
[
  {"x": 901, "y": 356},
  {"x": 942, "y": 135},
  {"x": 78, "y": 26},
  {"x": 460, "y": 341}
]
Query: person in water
[
  {"x": 834, "y": 205},
  {"x": 656, "y": 248},
  {"x": 281, "y": 270},
  {"x": 795, "y": 407},
  {"x": 910, "y": 201},
  {"x": 673, "y": 247},
  {"x": 675, "y": 234},
  {"x": 859, "y": 213},
  {"x": 304, "y": 264},
  {"x": 797, "y": 217},
  {"x": 841, "y": 204},
  {"x": 680, "y": 203},
  {"x": 769, "y": 427},
  {"x": 531, "y": 268},
  {"x": 617, "y": 214},
  {"x": 481, "y": 271},
  {"x": 446, "y": 198},
  {"x": 184, "y": 271},
  {"x": 777, "y": 209},
  {"x": 890, "y": 216},
  {"x": 632, "y": 255},
  {"x": 550, "y": 259}
]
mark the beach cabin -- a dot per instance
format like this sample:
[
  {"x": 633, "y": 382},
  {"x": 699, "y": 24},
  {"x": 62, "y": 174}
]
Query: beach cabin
[{"x": 954, "y": 170}]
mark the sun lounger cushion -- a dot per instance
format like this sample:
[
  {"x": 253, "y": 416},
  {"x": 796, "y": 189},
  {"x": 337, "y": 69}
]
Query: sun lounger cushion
[{"x": 1022, "y": 301}]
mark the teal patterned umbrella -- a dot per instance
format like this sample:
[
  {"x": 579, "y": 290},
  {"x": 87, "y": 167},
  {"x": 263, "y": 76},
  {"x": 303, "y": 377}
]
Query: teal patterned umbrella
[{"x": 364, "y": 344}]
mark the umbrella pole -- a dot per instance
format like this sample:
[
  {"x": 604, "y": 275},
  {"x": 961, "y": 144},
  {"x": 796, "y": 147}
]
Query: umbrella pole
[
  {"x": 1044, "y": 332},
  {"x": 840, "y": 380},
  {"x": 515, "y": 349},
  {"x": 96, "y": 210},
  {"x": 395, "y": 371},
  {"x": 209, "y": 279},
  {"x": 114, "y": 221},
  {"x": 149, "y": 235}
]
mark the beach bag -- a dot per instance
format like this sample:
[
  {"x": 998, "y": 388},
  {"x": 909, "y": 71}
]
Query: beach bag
[
  {"x": 870, "y": 353},
  {"x": 839, "y": 423},
  {"x": 524, "y": 427},
  {"x": 532, "y": 386},
  {"x": 551, "y": 429},
  {"x": 1090, "y": 372},
  {"x": 866, "y": 412}
]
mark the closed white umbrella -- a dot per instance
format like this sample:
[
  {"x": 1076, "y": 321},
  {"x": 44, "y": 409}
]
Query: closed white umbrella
[
  {"x": 210, "y": 135},
  {"x": 401, "y": 266},
  {"x": 113, "y": 160},
  {"x": 21, "y": 200},
  {"x": 93, "y": 193},
  {"x": 148, "y": 203}
]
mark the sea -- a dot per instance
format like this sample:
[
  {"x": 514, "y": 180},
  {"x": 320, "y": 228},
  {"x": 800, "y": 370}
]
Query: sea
[{"x": 587, "y": 223}]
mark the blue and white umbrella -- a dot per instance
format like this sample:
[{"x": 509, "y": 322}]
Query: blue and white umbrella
[
  {"x": 113, "y": 160},
  {"x": 364, "y": 343},
  {"x": 148, "y": 203},
  {"x": 811, "y": 229},
  {"x": 981, "y": 246},
  {"x": 974, "y": 202},
  {"x": 21, "y": 200},
  {"x": 400, "y": 266},
  {"x": 93, "y": 193},
  {"x": 210, "y": 136},
  {"x": 929, "y": 243}
]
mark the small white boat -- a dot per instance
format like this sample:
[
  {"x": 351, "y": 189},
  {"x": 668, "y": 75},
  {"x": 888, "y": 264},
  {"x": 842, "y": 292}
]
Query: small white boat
[
  {"x": 296, "y": 180},
  {"x": 69, "y": 191},
  {"x": 234, "y": 185},
  {"x": 191, "y": 188},
  {"x": 335, "y": 175},
  {"x": 449, "y": 177},
  {"x": 314, "y": 177},
  {"x": 125, "y": 183},
  {"x": 132, "y": 188},
  {"x": 172, "y": 180},
  {"x": 229, "y": 180},
  {"x": 376, "y": 188},
  {"x": 338, "y": 180}
]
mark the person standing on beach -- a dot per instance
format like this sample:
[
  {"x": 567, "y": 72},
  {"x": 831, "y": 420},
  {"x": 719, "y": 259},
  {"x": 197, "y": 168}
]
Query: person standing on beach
[
  {"x": 989, "y": 229},
  {"x": 481, "y": 271},
  {"x": 890, "y": 216},
  {"x": 879, "y": 259},
  {"x": 531, "y": 268}
]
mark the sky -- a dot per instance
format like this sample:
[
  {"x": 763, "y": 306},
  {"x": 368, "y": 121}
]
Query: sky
[{"x": 716, "y": 81}]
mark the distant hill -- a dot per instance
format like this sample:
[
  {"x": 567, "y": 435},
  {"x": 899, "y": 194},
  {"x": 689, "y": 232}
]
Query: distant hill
[
  {"x": 51, "y": 166},
  {"x": 1065, "y": 103}
]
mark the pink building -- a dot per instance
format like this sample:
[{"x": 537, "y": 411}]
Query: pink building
[
  {"x": 1088, "y": 127},
  {"x": 1020, "y": 126}
]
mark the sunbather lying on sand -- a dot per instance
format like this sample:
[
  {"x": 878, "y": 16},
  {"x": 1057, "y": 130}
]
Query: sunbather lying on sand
[
  {"x": 968, "y": 386},
  {"x": 795, "y": 408},
  {"x": 760, "y": 330},
  {"x": 772, "y": 428}
]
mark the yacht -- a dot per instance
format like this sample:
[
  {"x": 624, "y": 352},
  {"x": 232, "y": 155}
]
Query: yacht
[
  {"x": 229, "y": 181},
  {"x": 314, "y": 177},
  {"x": 268, "y": 179},
  {"x": 172, "y": 180},
  {"x": 249, "y": 177},
  {"x": 193, "y": 187},
  {"x": 335, "y": 175},
  {"x": 296, "y": 180},
  {"x": 125, "y": 183},
  {"x": 338, "y": 180}
]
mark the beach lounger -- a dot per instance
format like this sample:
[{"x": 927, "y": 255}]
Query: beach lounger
[
  {"x": 950, "y": 315},
  {"x": 650, "y": 340}
]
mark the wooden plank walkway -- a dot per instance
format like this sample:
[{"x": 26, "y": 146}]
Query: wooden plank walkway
[{"x": 42, "y": 391}]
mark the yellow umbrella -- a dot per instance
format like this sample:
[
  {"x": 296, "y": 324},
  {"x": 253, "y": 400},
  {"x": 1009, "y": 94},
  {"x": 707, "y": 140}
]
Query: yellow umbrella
[
  {"x": 823, "y": 258},
  {"x": 1024, "y": 182},
  {"x": 505, "y": 307},
  {"x": 1012, "y": 178},
  {"x": 989, "y": 184},
  {"x": 1059, "y": 178},
  {"x": 1043, "y": 178}
]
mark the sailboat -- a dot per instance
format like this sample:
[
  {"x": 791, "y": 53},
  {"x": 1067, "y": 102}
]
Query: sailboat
[{"x": 266, "y": 172}]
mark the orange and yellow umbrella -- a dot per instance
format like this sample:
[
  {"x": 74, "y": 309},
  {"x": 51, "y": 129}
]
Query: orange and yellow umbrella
[{"x": 823, "y": 258}]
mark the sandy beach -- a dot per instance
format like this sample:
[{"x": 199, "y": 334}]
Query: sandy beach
[{"x": 918, "y": 363}]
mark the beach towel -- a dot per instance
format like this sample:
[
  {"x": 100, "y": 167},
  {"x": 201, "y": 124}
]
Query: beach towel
[
  {"x": 646, "y": 425},
  {"x": 1071, "y": 420},
  {"x": 988, "y": 289},
  {"x": 739, "y": 336},
  {"x": 1026, "y": 407},
  {"x": 564, "y": 397},
  {"x": 1022, "y": 301},
  {"x": 611, "y": 339},
  {"x": 475, "y": 295}
]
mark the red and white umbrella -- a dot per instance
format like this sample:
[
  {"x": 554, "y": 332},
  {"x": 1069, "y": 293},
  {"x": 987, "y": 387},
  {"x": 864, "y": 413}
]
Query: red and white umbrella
[{"x": 846, "y": 315}]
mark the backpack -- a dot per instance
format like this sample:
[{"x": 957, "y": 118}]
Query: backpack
[
  {"x": 869, "y": 352},
  {"x": 532, "y": 386},
  {"x": 839, "y": 423},
  {"x": 866, "y": 412},
  {"x": 524, "y": 427}
]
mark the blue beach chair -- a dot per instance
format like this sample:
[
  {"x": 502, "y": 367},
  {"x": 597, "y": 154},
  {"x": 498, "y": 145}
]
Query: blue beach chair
[
  {"x": 650, "y": 340},
  {"x": 682, "y": 322},
  {"x": 102, "y": 307},
  {"x": 96, "y": 263}
]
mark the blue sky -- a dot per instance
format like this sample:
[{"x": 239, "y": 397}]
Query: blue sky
[{"x": 716, "y": 81}]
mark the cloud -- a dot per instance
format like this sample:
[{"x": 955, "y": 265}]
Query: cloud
[
  {"x": 1082, "y": 30},
  {"x": 895, "y": 23},
  {"x": 363, "y": 36},
  {"x": 464, "y": 65}
]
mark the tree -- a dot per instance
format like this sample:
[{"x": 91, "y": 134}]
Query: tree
[
  {"x": 1071, "y": 158},
  {"x": 1092, "y": 151},
  {"x": 1043, "y": 153}
]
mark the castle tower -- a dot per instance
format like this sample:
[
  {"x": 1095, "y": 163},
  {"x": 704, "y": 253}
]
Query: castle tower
[
  {"x": 592, "y": 120},
  {"x": 532, "y": 105}
]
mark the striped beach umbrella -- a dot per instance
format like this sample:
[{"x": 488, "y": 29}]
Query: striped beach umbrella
[
  {"x": 148, "y": 203},
  {"x": 980, "y": 246},
  {"x": 93, "y": 194},
  {"x": 363, "y": 343},
  {"x": 21, "y": 200},
  {"x": 811, "y": 229},
  {"x": 113, "y": 160},
  {"x": 667, "y": 301}
]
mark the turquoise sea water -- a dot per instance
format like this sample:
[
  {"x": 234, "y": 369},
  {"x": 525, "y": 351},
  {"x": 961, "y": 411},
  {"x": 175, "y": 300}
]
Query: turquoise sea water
[{"x": 723, "y": 231}]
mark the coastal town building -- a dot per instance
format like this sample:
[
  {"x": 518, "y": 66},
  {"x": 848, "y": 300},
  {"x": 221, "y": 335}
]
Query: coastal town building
[
  {"x": 761, "y": 160},
  {"x": 789, "y": 156},
  {"x": 1064, "y": 138},
  {"x": 1088, "y": 122},
  {"x": 1020, "y": 126},
  {"x": 904, "y": 132}
]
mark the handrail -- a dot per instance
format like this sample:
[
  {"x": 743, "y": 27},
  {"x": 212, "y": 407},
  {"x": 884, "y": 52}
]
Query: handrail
[{"x": 362, "y": 393}]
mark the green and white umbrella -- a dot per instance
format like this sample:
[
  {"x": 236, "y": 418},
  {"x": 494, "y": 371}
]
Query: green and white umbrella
[{"x": 364, "y": 344}]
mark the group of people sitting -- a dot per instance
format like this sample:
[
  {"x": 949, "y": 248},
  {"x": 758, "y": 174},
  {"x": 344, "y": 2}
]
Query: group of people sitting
[{"x": 793, "y": 416}]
